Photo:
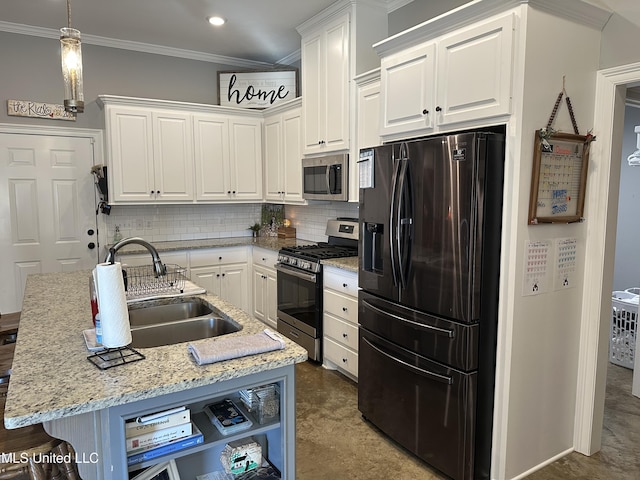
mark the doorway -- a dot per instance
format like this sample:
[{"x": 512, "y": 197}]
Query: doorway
[
  {"x": 602, "y": 205},
  {"x": 47, "y": 205}
]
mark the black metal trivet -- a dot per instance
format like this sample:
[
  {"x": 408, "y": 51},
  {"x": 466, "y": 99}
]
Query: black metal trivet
[{"x": 112, "y": 357}]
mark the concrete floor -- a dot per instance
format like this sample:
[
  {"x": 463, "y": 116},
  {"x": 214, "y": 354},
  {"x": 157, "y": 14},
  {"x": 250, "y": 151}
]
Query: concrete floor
[{"x": 334, "y": 443}]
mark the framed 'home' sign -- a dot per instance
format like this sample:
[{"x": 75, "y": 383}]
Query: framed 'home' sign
[{"x": 257, "y": 89}]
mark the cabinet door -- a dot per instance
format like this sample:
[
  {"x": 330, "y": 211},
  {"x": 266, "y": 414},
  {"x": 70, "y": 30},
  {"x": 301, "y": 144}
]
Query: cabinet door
[
  {"x": 173, "y": 156},
  {"x": 273, "y": 171},
  {"x": 407, "y": 84},
  {"x": 246, "y": 158},
  {"x": 211, "y": 153},
  {"x": 482, "y": 53},
  {"x": 272, "y": 298},
  {"x": 234, "y": 285},
  {"x": 325, "y": 86},
  {"x": 313, "y": 91},
  {"x": 130, "y": 142},
  {"x": 368, "y": 115},
  {"x": 292, "y": 155},
  {"x": 208, "y": 278},
  {"x": 336, "y": 126},
  {"x": 259, "y": 293}
]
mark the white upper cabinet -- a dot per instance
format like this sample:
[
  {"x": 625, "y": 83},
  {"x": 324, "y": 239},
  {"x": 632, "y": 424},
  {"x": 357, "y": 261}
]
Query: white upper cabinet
[
  {"x": 452, "y": 81},
  {"x": 325, "y": 86},
  {"x": 407, "y": 84},
  {"x": 283, "y": 154},
  {"x": 150, "y": 155},
  {"x": 228, "y": 158},
  {"x": 245, "y": 158},
  {"x": 175, "y": 152},
  {"x": 173, "y": 156},
  {"x": 336, "y": 46},
  {"x": 475, "y": 67},
  {"x": 211, "y": 153}
]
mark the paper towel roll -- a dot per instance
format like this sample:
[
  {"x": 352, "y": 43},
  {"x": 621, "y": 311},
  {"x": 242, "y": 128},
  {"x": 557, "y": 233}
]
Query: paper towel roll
[{"x": 112, "y": 304}]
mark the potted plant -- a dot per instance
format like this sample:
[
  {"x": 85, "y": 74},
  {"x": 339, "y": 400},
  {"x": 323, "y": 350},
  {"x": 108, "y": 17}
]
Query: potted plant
[{"x": 255, "y": 228}]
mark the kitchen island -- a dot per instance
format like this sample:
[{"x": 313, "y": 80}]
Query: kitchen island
[{"x": 53, "y": 383}]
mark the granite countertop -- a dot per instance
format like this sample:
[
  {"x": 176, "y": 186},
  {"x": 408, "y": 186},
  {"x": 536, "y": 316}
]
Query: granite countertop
[
  {"x": 346, "y": 263},
  {"x": 270, "y": 243},
  {"x": 52, "y": 378}
]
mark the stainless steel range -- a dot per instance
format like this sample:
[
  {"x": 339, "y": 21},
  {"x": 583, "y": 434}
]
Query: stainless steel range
[{"x": 300, "y": 283}]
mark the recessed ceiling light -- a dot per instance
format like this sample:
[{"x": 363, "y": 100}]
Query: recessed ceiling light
[{"x": 217, "y": 21}]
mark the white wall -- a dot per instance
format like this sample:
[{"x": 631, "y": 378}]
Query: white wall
[
  {"x": 31, "y": 71},
  {"x": 620, "y": 41},
  {"x": 627, "y": 263},
  {"x": 539, "y": 335}
]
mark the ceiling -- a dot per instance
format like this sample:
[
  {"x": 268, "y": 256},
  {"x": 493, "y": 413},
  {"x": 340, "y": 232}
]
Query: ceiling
[{"x": 257, "y": 31}]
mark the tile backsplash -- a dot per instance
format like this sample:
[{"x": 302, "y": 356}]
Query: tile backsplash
[
  {"x": 157, "y": 223},
  {"x": 310, "y": 221}
]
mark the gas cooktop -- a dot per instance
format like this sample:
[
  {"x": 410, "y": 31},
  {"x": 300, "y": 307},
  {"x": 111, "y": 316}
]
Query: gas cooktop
[{"x": 343, "y": 242}]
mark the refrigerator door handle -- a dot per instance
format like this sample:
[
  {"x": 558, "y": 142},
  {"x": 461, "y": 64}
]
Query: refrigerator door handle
[
  {"x": 393, "y": 231},
  {"x": 440, "y": 331},
  {"x": 405, "y": 223},
  {"x": 420, "y": 371}
]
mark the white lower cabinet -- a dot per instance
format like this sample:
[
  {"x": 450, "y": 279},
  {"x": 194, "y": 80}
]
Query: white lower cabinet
[
  {"x": 223, "y": 272},
  {"x": 340, "y": 321},
  {"x": 265, "y": 283}
]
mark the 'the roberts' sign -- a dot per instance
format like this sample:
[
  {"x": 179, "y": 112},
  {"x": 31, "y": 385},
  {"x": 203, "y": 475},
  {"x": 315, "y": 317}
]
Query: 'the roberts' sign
[{"x": 257, "y": 89}]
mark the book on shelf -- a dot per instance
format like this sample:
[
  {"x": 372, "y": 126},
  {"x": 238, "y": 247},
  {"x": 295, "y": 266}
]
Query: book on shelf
[
  {"x": 157, "y": 437},
  {"x": 227, "y": 417},
  {"x": 157, "y": 421},
  {"x": 139, "y": 456}
]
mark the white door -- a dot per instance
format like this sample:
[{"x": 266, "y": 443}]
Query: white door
[{"x": 47, "y": 210}]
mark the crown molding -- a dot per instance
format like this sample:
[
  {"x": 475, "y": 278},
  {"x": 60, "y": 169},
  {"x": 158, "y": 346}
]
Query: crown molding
[{"x": 134, "y": 46}]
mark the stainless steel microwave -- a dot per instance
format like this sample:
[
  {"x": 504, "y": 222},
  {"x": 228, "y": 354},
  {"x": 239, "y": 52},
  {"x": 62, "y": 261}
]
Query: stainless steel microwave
[{"x": 326, "y": 178}]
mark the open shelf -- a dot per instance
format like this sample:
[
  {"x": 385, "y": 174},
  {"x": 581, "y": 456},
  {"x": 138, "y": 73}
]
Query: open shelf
[{"x": 212, "y": 436}]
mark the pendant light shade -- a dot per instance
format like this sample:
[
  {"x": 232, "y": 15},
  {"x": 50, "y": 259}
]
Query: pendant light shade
[{"x": 71, "y": 55}]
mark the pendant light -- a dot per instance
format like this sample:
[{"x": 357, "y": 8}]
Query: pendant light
[
  {"x": 71, "y": 55},
  {"x": 634, "y": 158}
]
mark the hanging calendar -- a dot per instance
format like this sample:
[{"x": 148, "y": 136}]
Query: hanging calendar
[{"x": 559, "y": 178}]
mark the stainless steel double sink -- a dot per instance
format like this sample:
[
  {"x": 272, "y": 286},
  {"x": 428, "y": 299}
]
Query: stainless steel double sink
[{"x": 181, "y": 319}]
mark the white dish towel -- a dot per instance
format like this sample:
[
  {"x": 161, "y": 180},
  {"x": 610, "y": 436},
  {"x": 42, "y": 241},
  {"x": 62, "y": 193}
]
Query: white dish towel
[{"x": 212, "y": 350}]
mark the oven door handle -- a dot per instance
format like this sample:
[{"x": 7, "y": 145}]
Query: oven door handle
[
  {"x": 311, "y": 277},
  {"x": 420, "y": 371}
]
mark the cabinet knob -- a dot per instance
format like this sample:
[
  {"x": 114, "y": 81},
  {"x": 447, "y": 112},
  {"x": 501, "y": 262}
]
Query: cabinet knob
[
  {"x": 264, "y": 259},
  {"x": 234, "y": 192},
  {"x": 345, "y": 285},
  {"x": 217, "y": 274},
  {"x": 425, "y": 112},
  {"x": 344, "y": 335},
  {"x": 219, "y": 258},
  {"x": 223, "y": 274},
  {"x": 229, "y": 192},
  {"x": 344, "y": 309},
  {"x": 438, "y": 109},
  {"x": 344, "y": 360}
]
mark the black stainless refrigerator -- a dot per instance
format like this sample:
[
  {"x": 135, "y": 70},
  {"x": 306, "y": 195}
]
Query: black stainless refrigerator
[{"x": 430, "y": 228}]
